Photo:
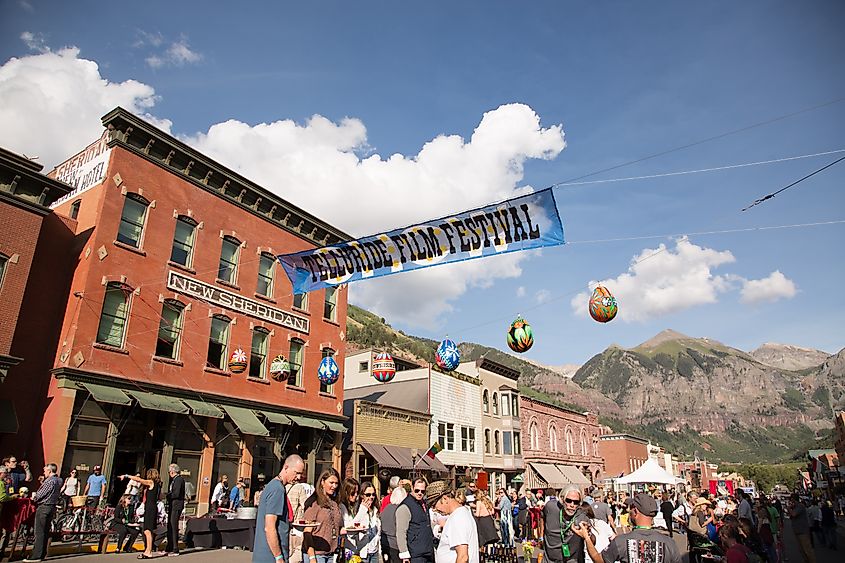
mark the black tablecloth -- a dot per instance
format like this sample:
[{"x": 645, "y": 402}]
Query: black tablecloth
[{"x": 219, "y": 532}]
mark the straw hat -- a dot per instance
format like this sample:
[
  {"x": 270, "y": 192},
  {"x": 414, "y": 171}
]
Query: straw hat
[
  {"x": 701, "y": 501},
  {"x": 435, "y": 490}
]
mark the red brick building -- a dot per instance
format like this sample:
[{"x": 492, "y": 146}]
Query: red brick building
[
  {"x": 177, "y": 309},
  {"x": 622, "y": 453},
  {"x": 34, "y": 276},
  {"x": 559, "y": 446}
]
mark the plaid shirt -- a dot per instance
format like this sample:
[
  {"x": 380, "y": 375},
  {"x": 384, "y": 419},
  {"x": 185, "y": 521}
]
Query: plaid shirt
[{"x": 48, "y": 493}]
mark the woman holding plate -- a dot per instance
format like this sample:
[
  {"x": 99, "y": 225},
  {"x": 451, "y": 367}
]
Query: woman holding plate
[{"x": 320, "y": 542}]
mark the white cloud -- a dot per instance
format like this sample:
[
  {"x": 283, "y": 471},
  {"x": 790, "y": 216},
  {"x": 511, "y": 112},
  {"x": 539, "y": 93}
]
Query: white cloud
[
  {"x": 26, "y": 6},
  {"x": 35, "y": 42},
  {"x": 660, "y": 281},
  {"x": 178, "y": 53},
  {"x": 776, "y": 286},
  {"x": 520, "y": 291},
  {"x": 51, "y": 104},
  {"x": 542, "y": 296}
]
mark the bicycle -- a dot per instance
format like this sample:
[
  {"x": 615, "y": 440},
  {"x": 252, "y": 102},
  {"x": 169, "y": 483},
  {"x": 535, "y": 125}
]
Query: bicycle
[{"x": 83, "y": 522}]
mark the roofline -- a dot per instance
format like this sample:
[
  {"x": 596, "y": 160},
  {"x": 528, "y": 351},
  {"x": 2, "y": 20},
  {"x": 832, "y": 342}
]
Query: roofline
[
  {"x": 628, "y": 436},
  {"x": 497, "y": 368},
  {"x": 553, "y": 406},
  {"x": 390, "y": 407}
]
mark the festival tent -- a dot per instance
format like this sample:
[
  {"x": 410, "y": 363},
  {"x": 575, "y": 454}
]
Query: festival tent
[{"x": 649, "y": 472}]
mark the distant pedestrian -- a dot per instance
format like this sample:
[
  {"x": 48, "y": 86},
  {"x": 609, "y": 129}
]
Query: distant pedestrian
[
  {"x": 667, "y": 509},
  {"x": 801, "y": 528},
  {"x": 95, "y": 488},
  {"x": 829, "y": 525}
]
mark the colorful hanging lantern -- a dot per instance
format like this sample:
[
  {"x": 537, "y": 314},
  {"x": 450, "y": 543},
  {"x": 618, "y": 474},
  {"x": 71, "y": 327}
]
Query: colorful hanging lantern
[
  {"x": 447, "y": 355},
  {"x": 603, "y": 306},
  {"x": 328, "y": 372},
  {"x": 520, "y": 335},
  {"x": 279, "y": 368},
  {"x": 384, "y": 368},
  {"x": 237, "y": 361}
]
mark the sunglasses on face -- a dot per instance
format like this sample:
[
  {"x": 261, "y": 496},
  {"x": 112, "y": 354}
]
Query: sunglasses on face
[
  {"x": 572, "y": 501},
  {"x": 420, "y": 491},
  {"x": 368, "y": 495}
]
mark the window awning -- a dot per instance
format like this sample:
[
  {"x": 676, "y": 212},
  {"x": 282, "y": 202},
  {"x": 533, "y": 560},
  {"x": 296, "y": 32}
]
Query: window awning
[
  {"x": 246, "y": 421},
  {"x": 383, "y": 459},
  {"x": 550, "y": 474},
  {"x": 103, "y": 394},
  {"x": 306, "y": 421},
  {"x": 335, "y": 426},
  {"x": 159, "y": 402},
  {"x": 432, "y": 464},
  {"x": 276, "y": 418},
  {"x": 397, "y": 457},
  {"x": 8, "y": 417},
  {"x": 202, "y": 408},
  {"x": 573, "y": 475}
]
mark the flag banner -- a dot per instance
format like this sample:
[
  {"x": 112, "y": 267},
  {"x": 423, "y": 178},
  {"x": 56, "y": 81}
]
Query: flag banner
[
  {"x": 521, "y": 223},
  {"x": 435, "y": 449}
]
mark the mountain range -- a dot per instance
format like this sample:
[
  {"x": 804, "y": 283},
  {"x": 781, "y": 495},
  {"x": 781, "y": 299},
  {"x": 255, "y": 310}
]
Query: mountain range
[{"x": 693, "y": 396}]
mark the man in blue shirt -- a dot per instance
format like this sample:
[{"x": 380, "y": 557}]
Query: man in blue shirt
[
  {"x": 16, "y": 475},
  {"x": 95, "y": 489},
  {"x": 272, "y": 526}
]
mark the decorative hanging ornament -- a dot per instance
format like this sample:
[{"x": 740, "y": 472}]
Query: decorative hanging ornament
[
  {"x": 520, "y": 335},
  {"x": 279, "y": 368},
  {"x": 237, "y": 361},
  {"x": 329, "y": 372},
  {"x": 447, "y": 355},
  {"x": 384, "y": 368},
  {"x": 603, "y": 306}
]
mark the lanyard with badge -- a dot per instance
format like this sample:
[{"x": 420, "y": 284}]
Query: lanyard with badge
[{"x": 564, "y": 545}]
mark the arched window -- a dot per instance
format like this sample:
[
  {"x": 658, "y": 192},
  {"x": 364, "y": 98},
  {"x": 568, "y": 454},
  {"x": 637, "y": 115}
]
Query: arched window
[
  {"x": 552, "y": 438},
  {"x": 570, "y": 441},
  {"x": 495, "y": 404},
  {"x": 583, "y": 442},
  {"x": 265, "y": 274},
  {"x": 295, "y": 376},
  {"x": 596, "y": 446},
  {"x": 131, "y": 229},
  {"x": 218, "y": 342},
  {"x": 485, "y": 401},
  {"x": 487, "y": 440},
  {"x": 227, "y": 271},
  {"x": 182, "y": 251},
  {"x": 496, "y": 441},
  {"x": 534, "y": 435},
  {"x": 258, "y": 353},
  {"x": 115, "y": 314},
  {"x": 169, "y": 329}
]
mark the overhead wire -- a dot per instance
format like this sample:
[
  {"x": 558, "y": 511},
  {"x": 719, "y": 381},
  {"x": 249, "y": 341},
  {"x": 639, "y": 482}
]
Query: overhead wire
[{"x": 795, "y": 183}]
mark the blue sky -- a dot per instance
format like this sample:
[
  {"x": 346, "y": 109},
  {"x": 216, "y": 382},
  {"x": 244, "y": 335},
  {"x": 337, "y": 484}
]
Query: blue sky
[{"x": 624, "y": 80}]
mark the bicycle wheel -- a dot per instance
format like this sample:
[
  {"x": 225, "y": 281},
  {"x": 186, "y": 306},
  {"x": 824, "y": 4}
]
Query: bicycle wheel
[{"x": 67, "y": 524}]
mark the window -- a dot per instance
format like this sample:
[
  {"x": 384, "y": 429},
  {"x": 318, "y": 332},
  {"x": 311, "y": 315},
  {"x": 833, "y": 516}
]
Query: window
[
  {"x": 485, "y": 401},
  {"x": 74, "y": 208},
  {"x": 446, "y": 435},
  {"x": 583, "y": 440},
  {"x": 258, "y": 354},
  {"x": 265, "y": 275},
  {"x": 496, "y": 448},
  {"x": 517, "y": 444},
  {"x": 300, "y": 301},
  {"x": 329, "y": 389},
  {"x": 363, "y": 367},
  {"x": 228, "y": 269},
  {"x": 169, "y": 330},
  {"x": 183, "y": 241},
  {"x": 596, "y": 446},
  {"x": 329, "y": 311},
  {"x": 467, "y": 439},
  {"x": 132, "y": 220},
  {"x": 487, "y": 440},
  {"x": 552, "y": 438},
  {"x": 115, "y": 314},
  {"x": 515, "y": 405},
  {"x": 4, "y": 261},
  {"x": 534, "y": 435},
  {"x": 495, "y": 404},
  {"x": 507, "y": 444},
  {"x": 218, "y": 342},
  {"x": 295, "y": 360},
  {"x": 506, "y": 405},
  {"x": 570, "y": 448}
]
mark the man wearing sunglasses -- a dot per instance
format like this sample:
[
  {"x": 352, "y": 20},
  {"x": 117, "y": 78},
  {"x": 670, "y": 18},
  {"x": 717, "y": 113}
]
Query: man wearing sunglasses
[
  {"x": 413, "y": 527},
  {"x": 561, "y": 517}
]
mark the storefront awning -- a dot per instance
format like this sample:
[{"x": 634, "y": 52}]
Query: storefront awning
[
  {"x": 555, "y": 475},
  {"x": 8, "y": 417},
  {"x": 103, "y": 394},
  {"x": 397, "y": 457},
  {"x": 334, "y": 426},
  {"x": 305, "y": 421},
  {"x": 201, "y": 408},
  {"x": 383, "y": 458},
  {"x": 573, "y": 475},
  {"x": 432, "y": 464},
  {"x": 550, "y": 474},
  {"x": 159, "y": 402},
  {"x": 276, "y": 418},
  {"x": 246, "y": 421}
]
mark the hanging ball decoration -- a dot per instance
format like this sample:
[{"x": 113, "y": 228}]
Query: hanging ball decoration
[
  {"x": 520, "y": 335},
  {"x": 603, "y": 306},
  {"x": 237, "y": 361},
  {"x": 384, "y": 368},
  {"x": 447, "y": 355},
  {"x": 279, "y": 368},
  {"x": 328, "y": 372}
]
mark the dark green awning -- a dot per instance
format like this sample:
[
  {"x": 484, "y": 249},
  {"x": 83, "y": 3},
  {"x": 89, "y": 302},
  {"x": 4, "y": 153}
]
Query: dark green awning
[
  {"x": 103, "y": 394},
  {"x": 8, "y": 417},
  {"x": 335, "y": 426},
  {"x": 201, "y": 408},
  {"x": 305, "y": 421},
  {"x": 246, "y": 421},
  {"x": 276, "y": 418},
  {"x": 159, "y": 402}
]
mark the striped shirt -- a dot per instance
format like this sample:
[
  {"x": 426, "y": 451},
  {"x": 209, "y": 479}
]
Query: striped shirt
[{"x": 49, "y": 492}]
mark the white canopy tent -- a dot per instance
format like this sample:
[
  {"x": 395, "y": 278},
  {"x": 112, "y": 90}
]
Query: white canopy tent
[{"x": 649, "y": 472}]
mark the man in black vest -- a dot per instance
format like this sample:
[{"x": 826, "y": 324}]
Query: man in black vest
[
  {"x": 413, "y": 527},
  {"x": 175, "y": 506}
]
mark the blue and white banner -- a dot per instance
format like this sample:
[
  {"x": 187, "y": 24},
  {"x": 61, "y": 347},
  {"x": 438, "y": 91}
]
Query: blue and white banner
[{"x": 522, "y": 223}]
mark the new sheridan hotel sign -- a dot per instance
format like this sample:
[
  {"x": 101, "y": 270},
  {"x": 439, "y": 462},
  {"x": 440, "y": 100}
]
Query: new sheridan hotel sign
[{"x": 235, "y": 302}]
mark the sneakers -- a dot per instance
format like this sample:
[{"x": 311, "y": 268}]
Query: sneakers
[{"x": 173, "y": 554}]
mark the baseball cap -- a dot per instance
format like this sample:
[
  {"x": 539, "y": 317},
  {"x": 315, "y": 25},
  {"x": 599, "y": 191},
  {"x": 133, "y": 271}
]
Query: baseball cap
[
  {"x": 97, "y": 468},
  {"x": 645, "y": 504}
]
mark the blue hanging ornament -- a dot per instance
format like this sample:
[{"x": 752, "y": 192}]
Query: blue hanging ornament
[
  {"x": 447, "y": 355},
  {"x": 329, "y": 372}
]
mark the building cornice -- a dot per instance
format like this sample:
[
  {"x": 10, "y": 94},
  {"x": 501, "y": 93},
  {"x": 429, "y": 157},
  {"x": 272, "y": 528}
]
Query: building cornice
[
  {"x": 154, "y": 145},
  {"x": 22, "y": 184},
  {"x": 388, "y": 412},
  {"x": 522, "y": 397},
  {"x": 495, "y": 367},
  {"x": 624, "y": 437}
]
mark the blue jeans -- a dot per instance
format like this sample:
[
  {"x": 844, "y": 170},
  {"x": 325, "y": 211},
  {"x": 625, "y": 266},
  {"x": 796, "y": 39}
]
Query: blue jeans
[
  {"x": 328, "y": 558},
  {"x": 372, "y": 558}
]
